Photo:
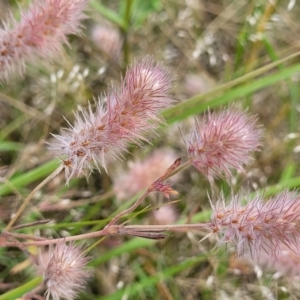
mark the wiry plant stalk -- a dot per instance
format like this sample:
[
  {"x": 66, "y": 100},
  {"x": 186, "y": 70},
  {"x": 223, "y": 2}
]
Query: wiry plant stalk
[
  {"x": 29, "y": 197},
  {"x": 136, "y": 230}
]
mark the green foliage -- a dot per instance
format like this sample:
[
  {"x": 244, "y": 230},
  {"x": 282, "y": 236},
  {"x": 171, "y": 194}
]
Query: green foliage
[
  {"x": 274, "y": 71},
  {"x": 141, "y": 11}
]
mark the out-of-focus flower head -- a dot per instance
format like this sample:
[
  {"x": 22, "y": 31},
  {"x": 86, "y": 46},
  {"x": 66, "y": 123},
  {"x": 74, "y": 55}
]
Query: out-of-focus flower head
[
  {"x": 287, "y": 261},
  {"x": 41, "y": 32},
  {"x": 142, "y": 173},
  {"x": 165, "y": 215},
  {"x": 197, "y": 84},
  {"x": 108, "y": 40}
]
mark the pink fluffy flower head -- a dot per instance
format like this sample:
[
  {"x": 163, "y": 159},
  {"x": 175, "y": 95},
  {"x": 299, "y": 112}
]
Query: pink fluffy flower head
[
  {"x": 165, "y": 215},
  {"x": 259, "y": 226},
  {"x": 142, "y": 173},
  {"x": 65, "y": 273},
  {"x": 129, "y": 116},
  {"x": 108, "y": 40},
  {"x": 40, "y": 33},
  {"x": 222, "y": 141},
  {"x": 287, "y": 262}
]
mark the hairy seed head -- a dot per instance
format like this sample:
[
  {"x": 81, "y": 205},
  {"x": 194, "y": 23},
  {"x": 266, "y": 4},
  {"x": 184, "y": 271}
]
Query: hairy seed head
[
  {"x": 65, "y": 272},
  {"x": 222, "y": 141},
  {"x": 40, "y": 33},
  {"x": 259, "y": 226},
  {"x": 130, "y": 116}
]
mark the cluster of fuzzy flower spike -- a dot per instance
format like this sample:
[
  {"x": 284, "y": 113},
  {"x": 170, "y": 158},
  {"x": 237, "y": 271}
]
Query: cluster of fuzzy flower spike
[
  {"x": 40, "y": 33},
  {"x": 259, "y": 226},
  {"x": 129, "y": 115}
]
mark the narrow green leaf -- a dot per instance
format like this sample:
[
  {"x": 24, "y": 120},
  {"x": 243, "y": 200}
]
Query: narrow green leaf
[
  {"x": 108, "y": 14},
  {"x": 26, "y": 178},
  {"x": 291, "y": 183},
  {"x": 129, "y": 246},
  {"x": 200, "y": 103},
  {"x": 21, "y": 290},
  {"x": 10, "y": 146},
  {"x": 133, "y": 290}
]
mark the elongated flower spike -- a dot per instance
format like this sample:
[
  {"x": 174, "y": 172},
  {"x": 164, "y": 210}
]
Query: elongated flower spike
[
  {"x": 130, "y": 116},
  {"x": 223, "y": 141},
  {"x": 40, "y": 33},
  {"x": 259, "y": 226}
]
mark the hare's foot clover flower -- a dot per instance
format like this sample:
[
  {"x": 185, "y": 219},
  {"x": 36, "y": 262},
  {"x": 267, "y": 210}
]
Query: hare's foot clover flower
[
  {"x": 41, "y": 32},
  {"x": 222, "y": 141},
  {"x": 130, "y": 116},
  {"x": 141, "y": 174},
  {"x": 259, "y": 226},
  {"x": 65, "y": 271}
]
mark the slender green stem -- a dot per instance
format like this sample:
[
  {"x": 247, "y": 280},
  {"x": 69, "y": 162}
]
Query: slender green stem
[
  {"x": 127, "y": 21},
  {"x": 261, "y": 27},
  {"x": 13, "y": 184},
  {"x": 129, "y": 210},
  {"x": 127, "y": 16},
  {"x": 108, "y": 14},
  {"x": 29, "y": 197}
]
